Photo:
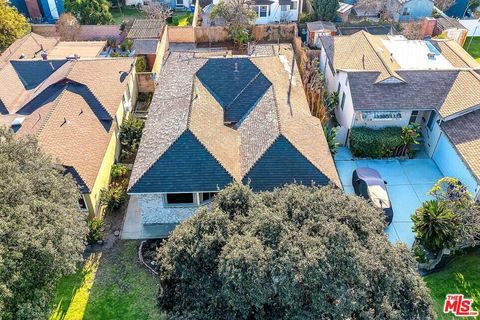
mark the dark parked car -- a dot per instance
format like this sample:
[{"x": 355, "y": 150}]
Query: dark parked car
[{"x": 369, "y": 184}]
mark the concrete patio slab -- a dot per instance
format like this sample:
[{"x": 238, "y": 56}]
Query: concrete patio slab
[
  {"x": 134, "y": 229},
  {"x": 345, "y": 171},
  {"x": 404, "y": 202},
  {"x": 421, "y": 171}
]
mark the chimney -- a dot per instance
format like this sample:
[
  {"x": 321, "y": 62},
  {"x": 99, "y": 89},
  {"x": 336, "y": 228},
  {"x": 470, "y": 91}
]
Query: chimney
[{"x": 44, "y": 55}]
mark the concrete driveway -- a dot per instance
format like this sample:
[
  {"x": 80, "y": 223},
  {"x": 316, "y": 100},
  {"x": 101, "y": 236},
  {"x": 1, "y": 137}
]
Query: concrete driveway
[{"x": 408, "y": 182}]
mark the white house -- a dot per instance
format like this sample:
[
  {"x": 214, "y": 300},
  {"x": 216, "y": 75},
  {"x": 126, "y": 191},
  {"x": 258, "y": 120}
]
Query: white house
[{"x": 391, "y": 81}]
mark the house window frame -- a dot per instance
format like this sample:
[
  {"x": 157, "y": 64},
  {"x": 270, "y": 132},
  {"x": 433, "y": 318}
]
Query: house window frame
[
  {"x": 342, "y": 103},
  {"x": 381, "y": 115},
  {"x": 197, "y": 199},
  {"x": 431, "y": 120},
  {"x": 406, "y": 11},
  {"x": 284, "y": 8},
  {"x": 177, "y": 4},
  {"x": 259, "y": 11},
  {"x": 82, "y": 197},
  {"x": 294, "y": 5}
]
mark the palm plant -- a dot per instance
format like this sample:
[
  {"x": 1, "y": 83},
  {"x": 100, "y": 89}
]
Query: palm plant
[{"x": 435, "y": 225}]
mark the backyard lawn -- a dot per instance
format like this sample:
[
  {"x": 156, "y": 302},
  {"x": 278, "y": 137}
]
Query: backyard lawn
[
  {"x": 126, "y": 13},
  {"x": 111, "y": 285},
  {"x": 462, "y": 275},
  {"x": 181, "y": 18},
  {"x": 474, "y": 47}
]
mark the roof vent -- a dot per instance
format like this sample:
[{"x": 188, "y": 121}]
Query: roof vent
[
  {"x": 431, "y": 55},
  {"x": 17, "y": 123},
  {"x": 51, "y": 66},
  {"x": 44, "y": 55},
  {"x": 22, "y": 56},
  {"x": 236, "y": 67}
]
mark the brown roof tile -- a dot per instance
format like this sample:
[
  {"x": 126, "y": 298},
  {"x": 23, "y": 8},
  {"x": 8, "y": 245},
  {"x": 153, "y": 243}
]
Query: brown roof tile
[
  {"x": 463, "y": 95},
  {"x": 464, "y": 133},
  {"x": 29, "y": 46}
]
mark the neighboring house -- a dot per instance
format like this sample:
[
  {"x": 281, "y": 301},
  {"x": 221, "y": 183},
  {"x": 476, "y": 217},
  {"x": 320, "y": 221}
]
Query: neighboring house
[
  {"x": 216, "y": 120},
  {"x": 343, "y": 12},
  {"x": 40, "y": 10},
  {"x": 390, "y": 81},
  {"x": 273, "y": 11},
  {"x": 74, "y": 107},
  {"x": 317, "y": 29},
  {"x": 174, "y": 4},
  {"x": 145, "y": 29},
  {"x": 406, "y": 10},
  {"x": 452, "y": 29}
]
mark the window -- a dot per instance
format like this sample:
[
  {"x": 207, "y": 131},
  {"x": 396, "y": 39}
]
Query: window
[
  {"x": 205, "y": 197},
  {"x": 179, "y": 198},
  {"x": 294, "y": 5},
  {"x": 413, "y": 117},
  {"x": 406, "y": 11},
  {"x": 179, "y": 3},
  {"x": 284, "y": 8},
  {"x": 262, "y": 11},
  {"x": 430, "y": 121},
  {"x": 339, "y": 87},
  {"x": 381, "y": 115},
  {"x": 343, "y": 101},
  {"x": 82, "y": 204}
]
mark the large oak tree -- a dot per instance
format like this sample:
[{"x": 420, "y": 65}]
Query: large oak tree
[
  {"x": 294, "y": 253},
  {"x": 42, "y": 232}
]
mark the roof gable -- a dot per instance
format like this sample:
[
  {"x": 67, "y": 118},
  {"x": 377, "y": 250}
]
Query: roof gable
[
  {"x": 236, "y": 83},
  {"x": 282, "y": 163},
  {"x": 186, "y": 166}
]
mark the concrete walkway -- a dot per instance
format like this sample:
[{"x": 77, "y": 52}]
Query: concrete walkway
[
  {"x": 408, "y": 182},
  {"x": 134, "y": 229}
]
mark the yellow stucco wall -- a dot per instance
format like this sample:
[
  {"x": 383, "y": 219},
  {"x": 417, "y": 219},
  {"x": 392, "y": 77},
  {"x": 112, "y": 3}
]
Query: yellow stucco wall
[{"x": 113, "y": 151}]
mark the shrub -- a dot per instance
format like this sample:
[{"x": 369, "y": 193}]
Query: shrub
[
  {"x": 306, "y": 17},
  {"x": 113, "y": 197},
  {"x": 141, "y": 64},
  {"x": 331, "y": 136},
  {"x": 95, "y": 233},
  {"x": 130, "y": 135},
  {"x": 435, "y": 225},
  {"x": 375, "y": 143},
  {"x": 119, "y": 171},
  {"x": 126, "y": 45}
]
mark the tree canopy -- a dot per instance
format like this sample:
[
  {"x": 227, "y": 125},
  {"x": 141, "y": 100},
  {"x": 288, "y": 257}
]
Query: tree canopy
[
  {"x": 238, "y": 18},
  {"x": 90, "y": 11},
  {"x": 42, "y": 232},
  {"x": 13, "y": 25},
  {"x": 293, "y": 253},
  {"x": 325, "y": 10}
]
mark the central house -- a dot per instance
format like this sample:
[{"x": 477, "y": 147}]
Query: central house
[{"x": 214, "y": 120}]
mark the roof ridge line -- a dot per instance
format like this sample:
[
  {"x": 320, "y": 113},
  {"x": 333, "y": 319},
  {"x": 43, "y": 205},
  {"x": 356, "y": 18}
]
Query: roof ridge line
[
  {"x": 244, "y": 88},
  {"x": 263, "y": 154},
  {"x": 213, "y": 156},
  {"x": 389, "y": 70},
  {"x": 156, "y": 160},
  {"x": 49, "y": 114}
]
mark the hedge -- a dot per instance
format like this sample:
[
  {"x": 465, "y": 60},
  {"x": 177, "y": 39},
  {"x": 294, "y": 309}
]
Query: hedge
[{"x": 375, "y": 143}]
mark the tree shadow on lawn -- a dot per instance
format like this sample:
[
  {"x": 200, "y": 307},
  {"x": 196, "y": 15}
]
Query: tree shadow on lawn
[{"x": 73, "y": 290}]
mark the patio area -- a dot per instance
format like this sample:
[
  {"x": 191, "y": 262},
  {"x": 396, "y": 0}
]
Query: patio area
[{"x": 408, "y": 182}]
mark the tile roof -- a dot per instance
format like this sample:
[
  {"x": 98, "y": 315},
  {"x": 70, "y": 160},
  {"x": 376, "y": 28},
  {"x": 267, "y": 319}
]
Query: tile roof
[
  {"x": 30, "y": 46},
  {"x": 83, "y": 49},
  {"x": 455, "y": 54},
  {"x": 70, "y": 110},
  {"x": 146, "y": 29},
  {"x": 186, "y": 106},
  {"x": 371, "y": 68},
  {"x": 464, "y": 133},
  {"x": 361, "y": 51},
  {"x": 320, "y": 26}
]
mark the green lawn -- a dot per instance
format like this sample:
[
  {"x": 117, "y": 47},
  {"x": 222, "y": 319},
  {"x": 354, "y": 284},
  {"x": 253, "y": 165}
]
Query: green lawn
[
  {"x": 111, "y": 285},
  {"x": 126, "y": 13},
  {"x": 462, "y": 275},
  {"x": 473, "y": 47},
  {"x": 181, "y": 18}
]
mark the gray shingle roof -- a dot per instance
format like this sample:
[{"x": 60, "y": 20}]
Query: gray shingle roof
[
  {"x": 422, "y": 90},
  {"x": 146, "y": 29}
]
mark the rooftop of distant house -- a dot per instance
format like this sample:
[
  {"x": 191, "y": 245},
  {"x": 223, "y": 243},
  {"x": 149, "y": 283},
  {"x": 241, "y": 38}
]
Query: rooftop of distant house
[
  {"x": 35, "y": 46},
  {"x": 145, "y": 29},
  {"x": 238, "y": 117}
]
